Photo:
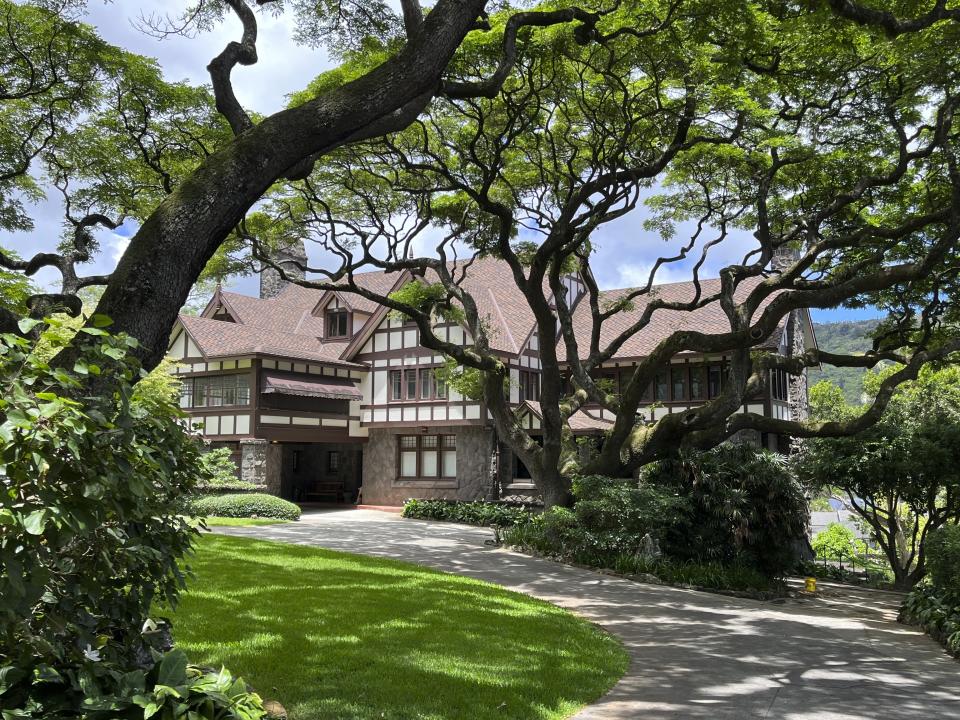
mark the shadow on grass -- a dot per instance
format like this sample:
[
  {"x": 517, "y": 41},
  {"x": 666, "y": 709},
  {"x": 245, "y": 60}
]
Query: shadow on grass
[{"x": 342, "y": 636}]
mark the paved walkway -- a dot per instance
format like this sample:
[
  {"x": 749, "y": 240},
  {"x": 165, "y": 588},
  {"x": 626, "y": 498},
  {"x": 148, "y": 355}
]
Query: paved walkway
[{"x": 693, "y": 655}]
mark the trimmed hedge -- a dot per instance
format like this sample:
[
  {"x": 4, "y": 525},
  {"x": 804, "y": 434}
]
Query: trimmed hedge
[
  {"x": 247, "y": 505},
  {"x": 469, "y": 513}
]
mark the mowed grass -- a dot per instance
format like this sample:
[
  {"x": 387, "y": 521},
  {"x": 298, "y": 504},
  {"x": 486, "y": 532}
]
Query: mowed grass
[
  {"x": 334, "y": 635},
  {"x": 241, "y": 522}
]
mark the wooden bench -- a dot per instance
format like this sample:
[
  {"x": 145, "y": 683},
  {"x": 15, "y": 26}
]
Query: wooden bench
[{"x": 326, "y": 489}]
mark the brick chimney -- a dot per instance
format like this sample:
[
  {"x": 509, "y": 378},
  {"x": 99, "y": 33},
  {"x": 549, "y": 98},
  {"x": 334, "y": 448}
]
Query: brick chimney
[{"x": 291, "y": 258}]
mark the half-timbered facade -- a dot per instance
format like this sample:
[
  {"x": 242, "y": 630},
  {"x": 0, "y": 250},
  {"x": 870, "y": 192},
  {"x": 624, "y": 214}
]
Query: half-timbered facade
[{"x": 328, "y": 396}]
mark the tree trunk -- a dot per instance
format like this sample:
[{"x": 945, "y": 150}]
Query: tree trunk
[{"x": 554, "y": 487}]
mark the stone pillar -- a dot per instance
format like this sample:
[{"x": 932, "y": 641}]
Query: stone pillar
[
  {"x": 292, "y": 259},
  {"x": 274, "y": 469},
  {"x": 253, "y": 461},
  {"x": 261, "y": 464}
]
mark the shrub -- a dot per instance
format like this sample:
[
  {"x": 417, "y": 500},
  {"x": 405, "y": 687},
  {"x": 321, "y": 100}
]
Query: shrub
[
  {"x": 936, "y": 612},
  {"x": 89, "y": 534},
  {"x": 943, "y": 560},
  {"x": 745, "y": 506},
  {"x": 837, "y": 542},
  {"x": 219, "y": 474},
  {"x": 252, "y": 505},
  {"x": 470, "y": 513}
]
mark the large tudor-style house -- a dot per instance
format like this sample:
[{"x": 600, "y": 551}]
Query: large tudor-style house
[{"x": 320, "y": 394}]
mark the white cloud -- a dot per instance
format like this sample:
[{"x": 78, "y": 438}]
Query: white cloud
[
  {"x": 118, "y": 246},
  {"x": 638, "y": 274}
]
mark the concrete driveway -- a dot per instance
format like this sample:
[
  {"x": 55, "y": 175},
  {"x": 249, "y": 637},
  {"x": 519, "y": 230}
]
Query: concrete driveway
[{"x": 693, "y": 655}]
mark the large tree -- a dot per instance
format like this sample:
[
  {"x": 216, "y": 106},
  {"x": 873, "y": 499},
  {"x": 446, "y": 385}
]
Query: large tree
[
  {"x": 520, "y": 133},
  {"x": 902, "y": 475}
]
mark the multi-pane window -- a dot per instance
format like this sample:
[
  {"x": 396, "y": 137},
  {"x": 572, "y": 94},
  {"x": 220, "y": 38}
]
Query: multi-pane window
[
  {"x": 714, "y": 380},
  {"x": 661, "y": 386},
  {"x": 529, "y": 385},
  {"x": 427, "y": 383},
  {"x": 678, "y": 375},
  {"x": 333, "y": 461},
  {"x": 779, "y": 384},
  {"x": 336, "y": 323},
  {"x": 426, "y": 456},
  {"x": 698, "y": 382},
  {"x": 215, "y": 391},
  {"x": 396, "y": 385}
]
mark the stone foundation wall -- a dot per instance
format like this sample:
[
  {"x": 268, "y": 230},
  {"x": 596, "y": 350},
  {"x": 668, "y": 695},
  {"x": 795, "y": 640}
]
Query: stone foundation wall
[
  {"x": 261, "y": 463},
  {"x": 381, "y": 486}
]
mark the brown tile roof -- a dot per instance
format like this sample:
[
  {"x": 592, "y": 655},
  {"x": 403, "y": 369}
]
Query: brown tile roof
[
  {"x": 286, "y": 325},
  {"x": 710, "y": 318},
  {"x": 219, "y": 339},
  {"x": 583, "y": 421}
]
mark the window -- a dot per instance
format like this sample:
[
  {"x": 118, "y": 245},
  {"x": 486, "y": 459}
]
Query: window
[
  {"x": 679, "y": 377},
  {"x": 186, "y": 393},
  {"x": 714, "y": 380},
  {"x": 333, "y": 461},
  {"x": 529, "y": 385},
  {"x": 426, "y": 456},
  {"x": 336, "y": 323},
  {"x": 698, "y": 382},
  {"x": 661, "y": 386},
  {"x": 217, "y": 391},
  {"x": 426, "y": 384},
  {"x": 441, "y": 388},
  {"x": 411, "y": 382},
  {"x": 779, "y": 384},
  {"x": 396, "y": 385}
]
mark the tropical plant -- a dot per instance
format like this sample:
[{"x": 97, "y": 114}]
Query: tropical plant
[
  {"x": 89, "y": 535},
  {"x": 746, "y": 505}
]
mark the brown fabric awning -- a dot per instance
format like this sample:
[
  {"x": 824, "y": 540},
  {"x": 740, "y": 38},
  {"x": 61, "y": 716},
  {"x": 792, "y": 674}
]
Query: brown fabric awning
[{"x": 327, "y": 387}]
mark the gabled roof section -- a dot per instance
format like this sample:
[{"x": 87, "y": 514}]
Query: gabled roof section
[
  {"x": 217, "y": 339},
  {"x": 217, "y": 304}
]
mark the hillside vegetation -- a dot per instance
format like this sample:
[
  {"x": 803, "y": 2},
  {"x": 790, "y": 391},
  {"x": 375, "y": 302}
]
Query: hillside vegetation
[{"x": 851, "y": 337}]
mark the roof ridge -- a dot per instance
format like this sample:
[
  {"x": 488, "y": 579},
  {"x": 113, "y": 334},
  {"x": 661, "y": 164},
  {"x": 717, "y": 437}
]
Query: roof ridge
[{"x": 503, "y": 320}]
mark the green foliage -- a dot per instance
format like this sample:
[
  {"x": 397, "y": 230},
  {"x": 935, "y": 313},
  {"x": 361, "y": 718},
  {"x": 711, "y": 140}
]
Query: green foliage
[
  {"x": 470, "y": 513},
  {"x": 734, "y": 507},
  {"x": 938, "y": 613},
  {"x": 745, "y": 506},
  {"x": 90, "y": 538},
  {"x": 465, "y": 380},
  {"x": 428, "y": 298},
  {"x": 905, "y": 469},
  {"x": 837, "y": 542},
  {"x": 251, "y": 505},
  {"x": 219, "y": 474},
  {"x": 943, "y": 560}
]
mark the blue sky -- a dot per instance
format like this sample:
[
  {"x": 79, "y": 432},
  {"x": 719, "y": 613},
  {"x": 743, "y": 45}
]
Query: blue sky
[{"x": 625, "y": 250}]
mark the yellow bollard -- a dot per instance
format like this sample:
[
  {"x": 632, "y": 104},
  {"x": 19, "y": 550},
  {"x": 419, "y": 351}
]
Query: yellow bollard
[{"x": 811, "y": 585}]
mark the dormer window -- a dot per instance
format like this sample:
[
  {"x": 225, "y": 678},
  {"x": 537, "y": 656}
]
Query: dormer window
[{"x": 337, "y": 323}]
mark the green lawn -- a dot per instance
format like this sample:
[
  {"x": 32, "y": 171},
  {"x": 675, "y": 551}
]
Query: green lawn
[
  {"x": 334, "y": 635},
  {"x": 233, "y": 522}
]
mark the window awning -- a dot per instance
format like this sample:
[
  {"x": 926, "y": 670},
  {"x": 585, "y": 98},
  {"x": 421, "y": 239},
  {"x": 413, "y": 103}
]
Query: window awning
[{"x": 328, "y": 387}]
